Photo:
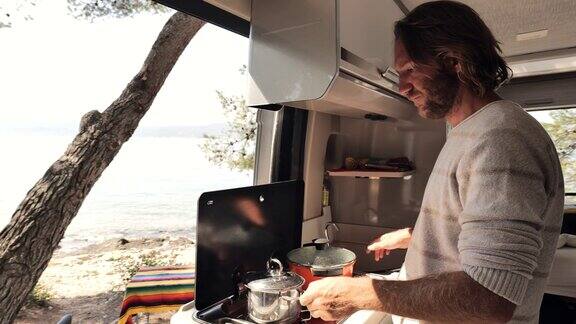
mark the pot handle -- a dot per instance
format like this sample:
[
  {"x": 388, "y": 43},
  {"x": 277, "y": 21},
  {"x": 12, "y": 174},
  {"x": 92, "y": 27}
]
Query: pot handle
[
  {"x": 319, "y": 244},
  {"x": 328, "y": 225},
  {"x": 323, "y": 243},
  {"x": 274, "y": 272}
]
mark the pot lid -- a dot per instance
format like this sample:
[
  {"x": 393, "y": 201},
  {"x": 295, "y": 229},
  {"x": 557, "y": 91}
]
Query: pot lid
[
  {"x": 319, "y": 255},
  {"x": 277, "y": 280}
]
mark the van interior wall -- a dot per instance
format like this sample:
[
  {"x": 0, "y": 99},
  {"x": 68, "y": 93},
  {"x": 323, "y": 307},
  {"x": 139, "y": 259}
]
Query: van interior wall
[{"x": 366, "y": 208}]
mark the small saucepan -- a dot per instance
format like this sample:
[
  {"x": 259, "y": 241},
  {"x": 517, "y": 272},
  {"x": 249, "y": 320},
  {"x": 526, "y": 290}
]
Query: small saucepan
[
  {"x": 275, "y": 297},
  {"x": 319, "y": 259}
]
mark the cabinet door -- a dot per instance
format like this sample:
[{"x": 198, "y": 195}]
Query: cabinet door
[
  {"x": 294, "y": 51},
  {"x": 367, "y": 29}
]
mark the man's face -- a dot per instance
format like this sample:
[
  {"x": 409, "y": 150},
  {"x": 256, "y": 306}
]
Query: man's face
[{"x": 433, "y": 90}]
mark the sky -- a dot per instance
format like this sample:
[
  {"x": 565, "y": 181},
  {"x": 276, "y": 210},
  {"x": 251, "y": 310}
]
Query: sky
[{"x": 55, "y": 68}]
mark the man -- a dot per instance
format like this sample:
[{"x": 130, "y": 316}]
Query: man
[{"x": 485, "y": 237}]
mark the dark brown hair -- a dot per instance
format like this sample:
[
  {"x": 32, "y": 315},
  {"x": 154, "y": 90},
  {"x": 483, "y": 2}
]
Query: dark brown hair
[{"x": 440, "y": 32}]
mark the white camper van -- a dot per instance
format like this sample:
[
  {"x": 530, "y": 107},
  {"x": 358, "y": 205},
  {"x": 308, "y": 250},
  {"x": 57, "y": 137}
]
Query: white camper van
[{"x": 321, "y": 76}]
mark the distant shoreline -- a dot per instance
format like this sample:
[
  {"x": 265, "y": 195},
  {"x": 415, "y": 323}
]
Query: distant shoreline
[{"x": 73, "y": 245}]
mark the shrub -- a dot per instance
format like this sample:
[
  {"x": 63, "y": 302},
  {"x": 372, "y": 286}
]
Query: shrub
[
  {"x": 128, "y": 265},
  {"x": 40, "y": 295}
]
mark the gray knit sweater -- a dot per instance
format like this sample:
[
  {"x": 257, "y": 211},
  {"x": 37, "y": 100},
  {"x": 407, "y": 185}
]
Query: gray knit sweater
[{"x": 493, "y": 207}]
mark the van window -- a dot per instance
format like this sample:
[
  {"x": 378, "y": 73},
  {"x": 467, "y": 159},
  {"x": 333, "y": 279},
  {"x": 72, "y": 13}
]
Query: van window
[{"x": 561, "y": 126}]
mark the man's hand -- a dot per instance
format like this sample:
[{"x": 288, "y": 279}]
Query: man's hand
[
  {"x": 390, "y": 241},
  {"x": 450, "y": 297},
  {"x": 334, "y": 298}
]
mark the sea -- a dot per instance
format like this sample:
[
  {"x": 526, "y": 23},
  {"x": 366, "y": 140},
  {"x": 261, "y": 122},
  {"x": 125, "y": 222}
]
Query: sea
[{"x": 150, "y": 190}]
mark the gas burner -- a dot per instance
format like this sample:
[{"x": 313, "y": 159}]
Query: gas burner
[{"x": 231, "y": 311}]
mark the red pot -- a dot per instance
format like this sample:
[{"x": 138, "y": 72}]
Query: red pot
[{"x": 318, "y": 259}]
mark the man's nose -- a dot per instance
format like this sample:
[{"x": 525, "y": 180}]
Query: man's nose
[{"x": 404, "y": 87}]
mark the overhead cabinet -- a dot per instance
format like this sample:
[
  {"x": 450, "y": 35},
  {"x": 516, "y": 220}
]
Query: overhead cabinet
[{"x": 329, "y": 56}]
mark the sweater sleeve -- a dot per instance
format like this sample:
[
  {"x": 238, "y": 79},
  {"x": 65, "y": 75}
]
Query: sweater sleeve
[{"x": 502, "y": 191}]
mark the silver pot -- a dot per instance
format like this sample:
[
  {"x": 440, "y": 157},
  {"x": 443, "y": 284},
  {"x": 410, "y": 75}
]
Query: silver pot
[{"x": 274, "y": 298}]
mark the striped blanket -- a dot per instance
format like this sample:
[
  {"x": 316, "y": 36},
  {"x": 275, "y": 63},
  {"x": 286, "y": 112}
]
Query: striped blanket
[{"x": 156, "y": 290}]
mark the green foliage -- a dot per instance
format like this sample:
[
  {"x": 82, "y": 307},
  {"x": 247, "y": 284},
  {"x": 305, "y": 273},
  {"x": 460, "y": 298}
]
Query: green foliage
[
  {"x": 235, "y": 146},
  {"x": 127, "y": 266},
  {"x": 563, "y": 132},
  {"x": 40, "y": 295},
  {"x": 91, "y": 9}
]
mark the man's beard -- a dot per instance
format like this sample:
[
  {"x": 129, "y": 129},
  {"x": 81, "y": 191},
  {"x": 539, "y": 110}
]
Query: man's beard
[{"x": 441, "y": 92}]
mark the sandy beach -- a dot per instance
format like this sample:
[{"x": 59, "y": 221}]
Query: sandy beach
[{"x": 89, "y": 283}]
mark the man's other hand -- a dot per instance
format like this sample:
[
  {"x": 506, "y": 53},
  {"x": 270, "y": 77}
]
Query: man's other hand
[
  {"x": 335, "y": 298},
  {"x": 390, "y": 241}
]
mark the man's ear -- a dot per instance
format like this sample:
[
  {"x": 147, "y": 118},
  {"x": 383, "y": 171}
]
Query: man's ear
[
  {"x": 452, "y": 63},
  {"x": 457, "y": 67}
]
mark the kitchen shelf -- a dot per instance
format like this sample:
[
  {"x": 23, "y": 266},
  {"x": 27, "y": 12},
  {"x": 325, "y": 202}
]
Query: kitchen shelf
[{"x": 372, "y": 174}]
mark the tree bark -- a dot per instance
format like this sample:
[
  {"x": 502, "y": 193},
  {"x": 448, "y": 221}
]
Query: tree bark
[{"x": 38, "y": 224}]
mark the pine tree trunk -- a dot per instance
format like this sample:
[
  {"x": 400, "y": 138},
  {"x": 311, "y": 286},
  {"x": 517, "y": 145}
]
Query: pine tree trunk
[{"x": 36, "y": 228}]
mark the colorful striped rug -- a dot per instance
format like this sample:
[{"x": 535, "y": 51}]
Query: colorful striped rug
[{"x": 156, "y": 290}]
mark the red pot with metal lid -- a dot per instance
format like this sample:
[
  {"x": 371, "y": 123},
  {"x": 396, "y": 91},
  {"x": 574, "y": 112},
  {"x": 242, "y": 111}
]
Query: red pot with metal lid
[{"x": 319, "y": 259}]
